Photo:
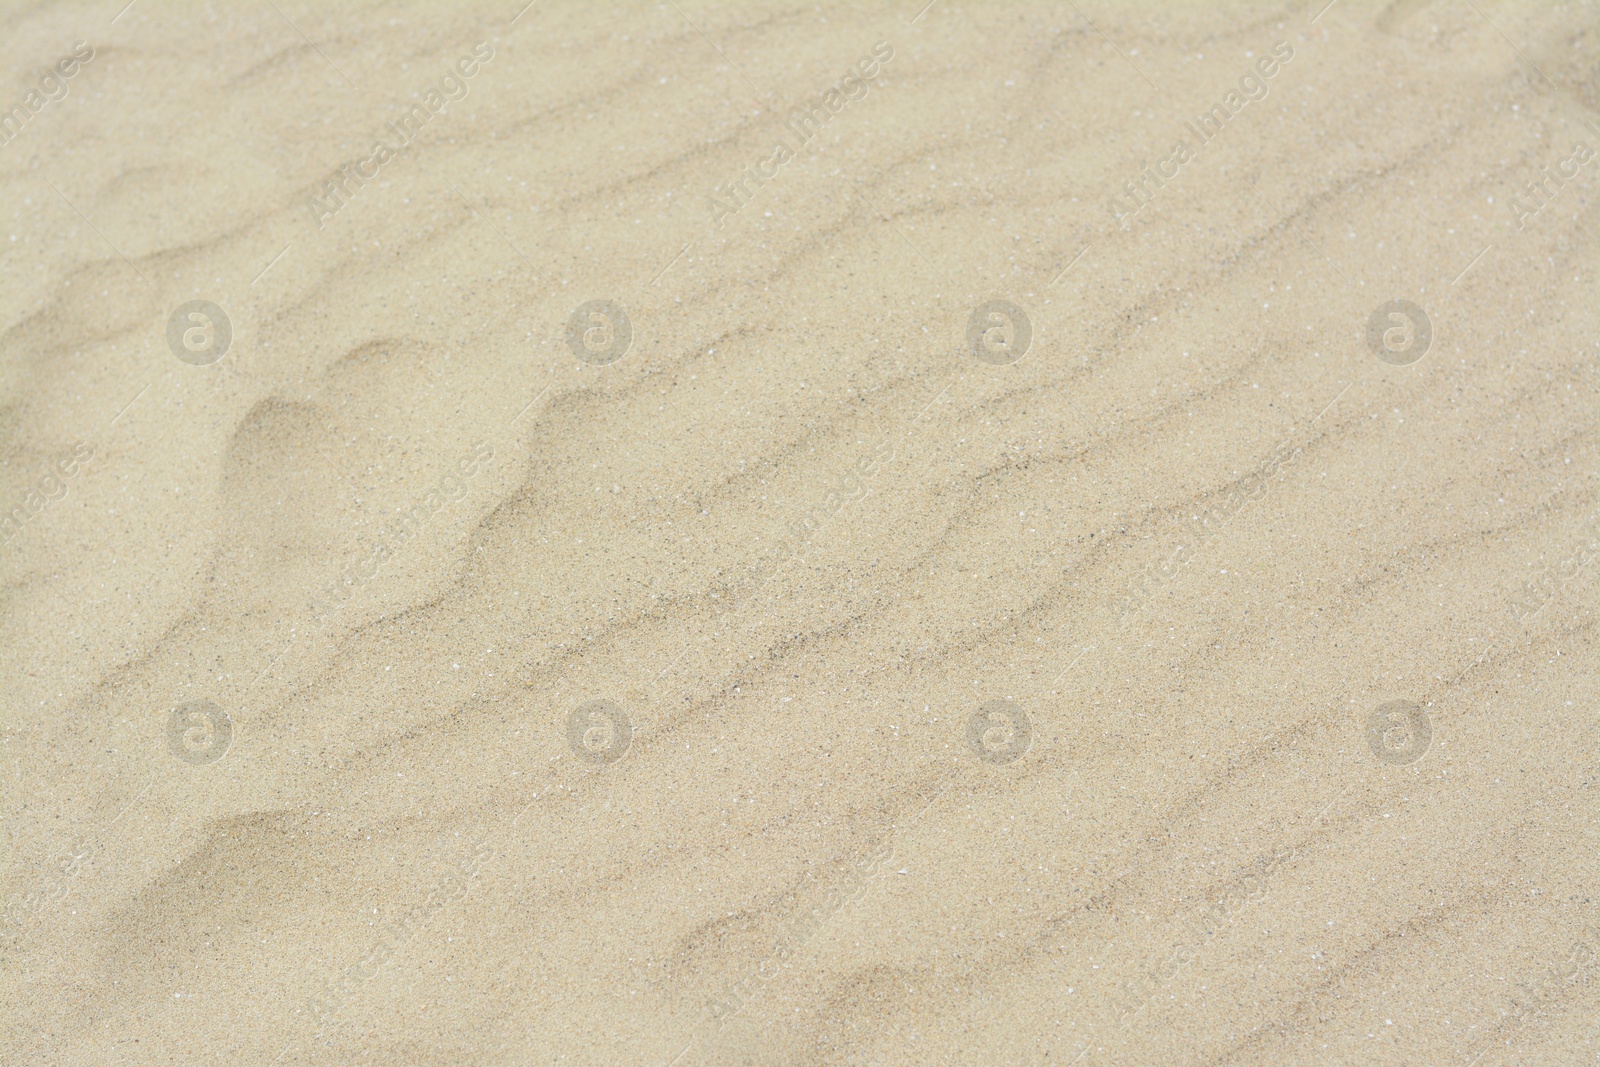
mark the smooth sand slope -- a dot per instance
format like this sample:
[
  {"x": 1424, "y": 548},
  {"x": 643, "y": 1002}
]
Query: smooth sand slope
[{"x": 678, "y": 533}]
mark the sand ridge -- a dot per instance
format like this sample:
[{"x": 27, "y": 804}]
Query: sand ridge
[{"x": 984, "y": 587}]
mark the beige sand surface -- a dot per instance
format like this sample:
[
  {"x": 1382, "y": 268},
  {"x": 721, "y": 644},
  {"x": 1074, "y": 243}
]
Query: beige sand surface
[{"x": 916, "y": 616}]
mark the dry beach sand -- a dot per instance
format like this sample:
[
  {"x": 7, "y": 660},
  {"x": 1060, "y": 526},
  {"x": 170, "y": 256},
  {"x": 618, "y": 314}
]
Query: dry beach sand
[{"x": 691, "y": 533}]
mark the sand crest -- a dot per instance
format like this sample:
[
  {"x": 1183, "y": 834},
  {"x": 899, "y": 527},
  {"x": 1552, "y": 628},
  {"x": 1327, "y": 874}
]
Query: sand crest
[{"x": 688, "y": 533}]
